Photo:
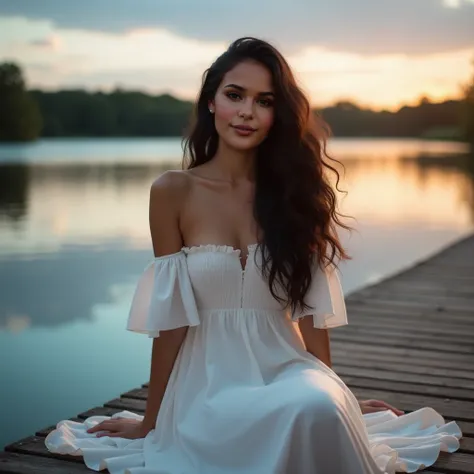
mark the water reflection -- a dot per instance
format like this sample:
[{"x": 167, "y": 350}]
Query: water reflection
[
  {"x": 426, "y": 189},
  {"x": 460, "y": 165},
  {"x": 14, "y": 184},
  {"x": 51, "y": 290},
  {"x": 44, "y": 208}
]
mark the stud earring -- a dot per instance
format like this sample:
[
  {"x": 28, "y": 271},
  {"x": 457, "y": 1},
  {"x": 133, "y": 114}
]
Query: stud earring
[{"x": 210, "y": 110}]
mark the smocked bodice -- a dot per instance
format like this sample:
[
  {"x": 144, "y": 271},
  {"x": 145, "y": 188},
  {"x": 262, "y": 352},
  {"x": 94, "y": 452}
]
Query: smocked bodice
[
  {"x": 177, "y": 289},
  {"x": 220, "y": 282}
]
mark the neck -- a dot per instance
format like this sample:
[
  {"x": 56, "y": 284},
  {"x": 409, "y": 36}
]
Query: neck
[{"x": 235, "y": 165}]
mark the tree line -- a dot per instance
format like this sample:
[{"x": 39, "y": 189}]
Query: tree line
[{"x": 29, "y": 114}]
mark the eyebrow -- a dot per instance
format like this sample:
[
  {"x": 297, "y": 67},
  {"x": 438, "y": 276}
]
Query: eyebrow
[{"x": 240, "y": 88}]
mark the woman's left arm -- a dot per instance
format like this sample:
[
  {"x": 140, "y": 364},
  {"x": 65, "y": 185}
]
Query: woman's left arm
[
  {"x": 316, "y": 340},
  {"x": 317, "y": 343}
]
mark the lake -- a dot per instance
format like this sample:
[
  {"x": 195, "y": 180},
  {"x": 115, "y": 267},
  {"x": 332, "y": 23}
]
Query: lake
[{"x": 74, "y": 239}]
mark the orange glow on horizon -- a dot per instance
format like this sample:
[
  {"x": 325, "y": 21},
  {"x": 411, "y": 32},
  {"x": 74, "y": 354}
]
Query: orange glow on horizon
[{"x": 157, "y": 60}]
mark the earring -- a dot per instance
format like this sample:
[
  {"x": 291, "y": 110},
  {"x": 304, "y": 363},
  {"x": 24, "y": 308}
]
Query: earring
[{"x": 211, "y": 111}]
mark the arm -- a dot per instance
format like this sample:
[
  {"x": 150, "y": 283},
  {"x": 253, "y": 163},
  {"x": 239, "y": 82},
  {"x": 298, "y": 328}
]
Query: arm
[
  {"x": 165, "y": 202},
  {"x": 164, "y": 352},
  {"x": 317, "y": 343},
  {"x": 315, "y": 340},
  {"x": 166, "y": 196}
]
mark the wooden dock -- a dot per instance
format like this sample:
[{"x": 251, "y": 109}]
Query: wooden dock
[{"x": 410, "y": 342}]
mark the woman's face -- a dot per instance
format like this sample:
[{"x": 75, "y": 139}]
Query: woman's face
[{"x": 243, "y": 106}]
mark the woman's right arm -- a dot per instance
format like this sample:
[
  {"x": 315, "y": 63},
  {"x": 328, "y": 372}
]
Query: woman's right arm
[
  {"x": 166, "y": 197},
  {"x": 164, "y": 353}
]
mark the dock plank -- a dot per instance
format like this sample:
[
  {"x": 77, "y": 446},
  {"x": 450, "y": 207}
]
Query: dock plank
[
  {"x": 455, "y": 463},
  {"x": 34, "y": 445},
  {"x": 402, "y": 342},
  {"x": 47, "y": 430},
  {"x": 98, "y": 411},
  {"x": 16, "y": 463},
  {"x": 444, "y": 386},
  {"x": 371, "y": 325},
  {"x": 400, "y": 367},
  {"x": 450, "y": 408},
  {"x": 358, "y": 347}
]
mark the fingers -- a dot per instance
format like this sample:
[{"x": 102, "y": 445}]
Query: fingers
[
  {"x": 95, "y": 428},
  {"x": 375, "y": 409},
  {"x": 103, "y": 425},
  {"x": 395, "y": 410},
  {"x": 99, "y": 427},
  {"x": 380, "y": 403},
  {"x": 376, "y": 403},
  {"x": 119, "y": 434}
]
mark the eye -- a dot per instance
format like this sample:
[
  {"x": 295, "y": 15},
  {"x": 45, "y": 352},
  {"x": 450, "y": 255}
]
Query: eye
[
  {"x": 233, "y": 95},
  {"x": 265, "y": 102}
]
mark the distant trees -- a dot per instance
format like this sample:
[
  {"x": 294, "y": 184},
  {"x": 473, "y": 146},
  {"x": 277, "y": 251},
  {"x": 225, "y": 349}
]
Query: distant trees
[
  {"x": 76, "y": 113},
  {"x": 79, "y": 113},
  {"x": 20, "y": 118},
  {"x": 427, "y": 120}
]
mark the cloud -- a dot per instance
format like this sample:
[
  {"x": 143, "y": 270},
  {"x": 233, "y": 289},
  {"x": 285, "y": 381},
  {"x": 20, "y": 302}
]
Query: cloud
[
  {"x": 52, "y": 42},
  {"x": 152, "y": 60},
  {"x": 177, "y": 82},
  {"x": 412, "y": 27},
  {"x": 455, "y": 3},
  {"x": 380, "y": 81},
  {"x": 157, "y": 60}
]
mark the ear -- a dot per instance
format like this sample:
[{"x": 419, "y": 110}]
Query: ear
[{"x": 211, "y": 106}]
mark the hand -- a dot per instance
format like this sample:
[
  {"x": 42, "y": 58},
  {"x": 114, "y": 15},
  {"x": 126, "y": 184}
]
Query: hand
[
  {"x": 371, "y": 406},
  {"x": 120, "y": 428}
]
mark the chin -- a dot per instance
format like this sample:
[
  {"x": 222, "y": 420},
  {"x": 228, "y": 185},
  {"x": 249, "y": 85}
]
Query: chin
[
  {"x": 244, "y": 147},
  {"x": 243, "y": 144}
]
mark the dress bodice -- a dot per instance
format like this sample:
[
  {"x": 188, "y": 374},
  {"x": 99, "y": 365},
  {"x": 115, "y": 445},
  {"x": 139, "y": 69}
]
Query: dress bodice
[
  {"x": 220, "y": 282},
  {"x": 176, "y": 290}
]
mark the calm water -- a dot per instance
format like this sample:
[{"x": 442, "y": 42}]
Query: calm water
[{"x": 74, "y": 239}]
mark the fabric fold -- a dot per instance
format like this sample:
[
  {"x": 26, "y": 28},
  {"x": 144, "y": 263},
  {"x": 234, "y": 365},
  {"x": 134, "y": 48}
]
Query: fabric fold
[
  {"x": 325, "y": 298},
  {"x": 397, "y": 444},
  {"x": 163, "y": 298}
]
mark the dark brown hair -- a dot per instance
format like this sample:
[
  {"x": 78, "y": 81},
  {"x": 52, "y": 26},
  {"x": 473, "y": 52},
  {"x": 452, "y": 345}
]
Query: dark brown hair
[{"x": 295, "y": 204}]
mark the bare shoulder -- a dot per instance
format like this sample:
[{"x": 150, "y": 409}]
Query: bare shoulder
[
  {"x": 172, "y": 183},
  {"x": 167, "y": 196}
]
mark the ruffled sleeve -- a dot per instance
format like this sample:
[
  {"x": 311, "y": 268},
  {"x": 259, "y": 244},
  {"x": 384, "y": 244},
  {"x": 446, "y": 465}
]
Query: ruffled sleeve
[
  {"x": 326, "y": 298},
  {"x": 163, "y": 297}
]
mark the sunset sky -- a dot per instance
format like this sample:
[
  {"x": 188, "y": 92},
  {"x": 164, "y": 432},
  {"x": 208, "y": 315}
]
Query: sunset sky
[{"x": 378, "y": 53}]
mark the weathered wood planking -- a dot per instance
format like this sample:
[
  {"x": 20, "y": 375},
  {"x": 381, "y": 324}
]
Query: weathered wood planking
[
  {"x": 410, "y": 342},
  {"x": 15, "y": 463}
]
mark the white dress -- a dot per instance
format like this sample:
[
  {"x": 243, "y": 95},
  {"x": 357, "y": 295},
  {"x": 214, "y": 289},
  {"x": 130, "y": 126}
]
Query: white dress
[{"x": 244, "y": 396}]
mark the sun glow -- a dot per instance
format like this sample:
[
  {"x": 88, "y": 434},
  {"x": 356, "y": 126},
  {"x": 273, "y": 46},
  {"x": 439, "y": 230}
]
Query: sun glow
[{"x": 158, "y": 60}]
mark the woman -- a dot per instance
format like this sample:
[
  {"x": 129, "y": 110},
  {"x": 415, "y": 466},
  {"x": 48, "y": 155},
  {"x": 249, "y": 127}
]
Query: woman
[{"x": 239, "y": 300}]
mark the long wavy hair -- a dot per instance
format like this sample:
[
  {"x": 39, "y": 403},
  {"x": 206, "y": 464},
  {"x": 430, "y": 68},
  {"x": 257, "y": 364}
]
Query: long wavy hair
[{"x": 295, "y": 205}]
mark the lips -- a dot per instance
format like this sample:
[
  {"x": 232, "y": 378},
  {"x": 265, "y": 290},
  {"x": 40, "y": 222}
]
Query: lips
[{"x": 244, "y": 128}]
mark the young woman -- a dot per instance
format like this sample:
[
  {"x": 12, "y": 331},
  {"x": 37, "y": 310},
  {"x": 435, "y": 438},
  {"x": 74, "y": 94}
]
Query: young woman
[{"x": 239, "y": 300}]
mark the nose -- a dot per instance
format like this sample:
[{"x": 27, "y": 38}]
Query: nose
[{"x": 246, "y": 109}]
